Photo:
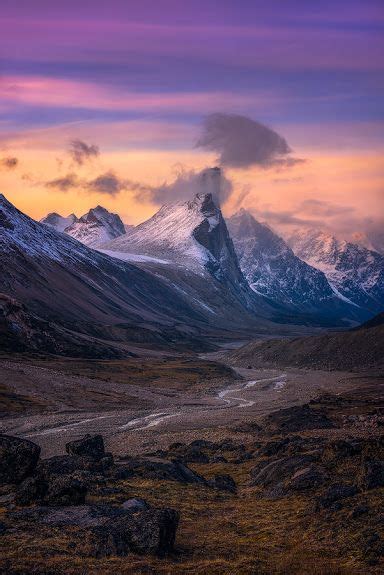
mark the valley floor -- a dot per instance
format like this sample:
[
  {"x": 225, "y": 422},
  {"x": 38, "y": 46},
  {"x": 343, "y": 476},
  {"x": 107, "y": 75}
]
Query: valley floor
[
  {"x": 135, "y": 410},
  {"x": 141, "y": 406}
]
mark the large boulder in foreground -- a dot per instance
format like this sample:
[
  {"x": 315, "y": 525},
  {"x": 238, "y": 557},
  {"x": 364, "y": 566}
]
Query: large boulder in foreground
[
  {"x": 88, "y": 446},
  {"x": 104, "y": 530},
  {"x": 18, "y": 458}
]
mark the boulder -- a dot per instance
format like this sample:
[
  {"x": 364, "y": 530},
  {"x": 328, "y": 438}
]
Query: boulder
[
  {"x": 68, "y": 464},
  {"x": 223, "y": 483},
  {"x": 154, "y": 468},
  {"x": 54, "y": 490},
  {"x": 106, "y": 530},
  {"x": 89, "y": 446},
  {"x": 270, "y": 473},
  {"x": 334, "y": 494},
  {"x": 31, "y": 490},
  {"x": 150, "y": 532},
  {"x": 372, "y": 474},
  {"x": 64, "y": 490},
  {"x": 135, "y": 504},
  {"x": 18, "y": 459},
  {"x": 308, "y": 478}
]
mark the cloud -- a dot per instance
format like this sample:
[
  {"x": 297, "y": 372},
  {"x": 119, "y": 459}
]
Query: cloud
[
  {"x": 81, "y": 152},
  {"x": 188, "y": 183},
  {"x": 242, "y": 142},
  {"x": 9, "y": 163},
  {"x": 108, "y": 183},
  {"x": 65, "y": 183}
]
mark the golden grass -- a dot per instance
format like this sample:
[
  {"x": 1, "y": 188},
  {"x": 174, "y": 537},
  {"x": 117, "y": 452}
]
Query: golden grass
[{"x": 219, "y": 534}]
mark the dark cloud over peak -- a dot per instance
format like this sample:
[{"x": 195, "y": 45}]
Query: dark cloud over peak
[
  {"x": 108, "y": 183},
  {"x": 242, "y": 142},
  {"x": 81, "y": 152},
  {"x": 188, "y": 183}
]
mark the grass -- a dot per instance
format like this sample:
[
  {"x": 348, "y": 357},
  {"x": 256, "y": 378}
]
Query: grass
[{"x": 219, "y": 534}]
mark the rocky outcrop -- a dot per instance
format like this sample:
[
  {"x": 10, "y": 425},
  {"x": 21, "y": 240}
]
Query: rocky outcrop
[
  {"x": 88, "y": 446},
  {"x": 18, "y": 458}
]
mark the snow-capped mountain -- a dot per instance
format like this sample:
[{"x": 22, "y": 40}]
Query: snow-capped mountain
[
  {"x": 354, "y": 272},
  {"x": 89, "y": 299},
  {"x": 58, "y": 222},
  {"x": 87, "y": 295},
  {"x": 93, "y": 228},
  {"x": 190, "y": 233},
  {"x": 272, "y": 270}
]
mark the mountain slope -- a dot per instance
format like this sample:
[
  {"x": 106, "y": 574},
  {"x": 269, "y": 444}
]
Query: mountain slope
[
  {"x": 272, "y": 270},
  {"x": 192, "y": 235},
  {"x": 352, "y": 350},
  {"x": 62, "y": 281},
  {"x": 353, "y": 271},
  {"x": 93, "y": 228}
]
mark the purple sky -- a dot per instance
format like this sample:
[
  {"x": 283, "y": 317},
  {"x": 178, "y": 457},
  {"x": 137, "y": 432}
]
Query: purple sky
[{"x": 318, "y": 61}]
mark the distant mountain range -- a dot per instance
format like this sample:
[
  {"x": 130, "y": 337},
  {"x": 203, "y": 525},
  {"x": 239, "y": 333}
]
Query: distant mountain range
[
  {"x": 353, "y": 272},
  {"x": 185, "y": 277},
  {"x": 92, "y": 229},
  {"x": 309, "y": 277}
]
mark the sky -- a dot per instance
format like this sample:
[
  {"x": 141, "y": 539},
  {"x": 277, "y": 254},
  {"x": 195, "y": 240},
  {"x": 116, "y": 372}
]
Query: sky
[{"x": 116, "y": 103}]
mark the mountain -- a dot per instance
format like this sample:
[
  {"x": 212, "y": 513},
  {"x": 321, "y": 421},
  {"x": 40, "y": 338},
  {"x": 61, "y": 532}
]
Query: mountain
[
  {"x": 191, "y": 237},
  {"x": 272, "y": 270},
  {"x": 357, "y": 349},
  {"x": 354, "y": 272},
  {"x": 105, "y": 300},
  {"x": 93, "y": 228},
  {"x": 59, "y": 222}
]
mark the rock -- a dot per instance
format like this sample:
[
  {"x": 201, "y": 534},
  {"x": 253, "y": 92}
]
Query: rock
[
  {"x": 31, "y": 490},
  {"x": 135, "y": 504},
  {"x": 359, "y": 511},
  {"x": 3, "y": 528},
  {"x": 68, "y": 464},
  {"x": 267, "y": 474},
  {"x": 335, "y": 493},
  {"x": 194, "y": 455},
  {"x": 308, "y": 478},
  {"x": 106, "y": 530},
  {"x": 273, "y": 447},
  {"x": 160, "y": 469},
  {"x": 63, "y": 490},
  {"x": 149, "y": 532},
  {"x": 341, "y": 449},
  {"x": 296, "y": 418},
  {"x": 223, "y": 483},
  {"x": 18, "y": 459},
  {"x": 55, "y": 490},
  {"x": 89, "y": 446},
  {"x": 372, "y": 474}
]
